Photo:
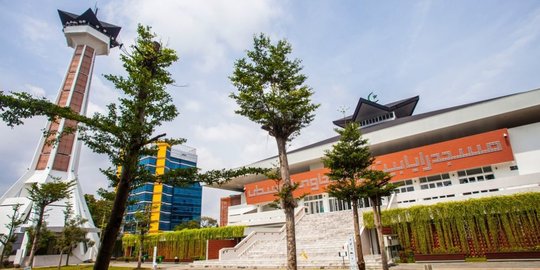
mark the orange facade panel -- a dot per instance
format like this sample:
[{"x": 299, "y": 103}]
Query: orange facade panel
[
  {"x": 312, "y": 182},
  {"x": 473, "y": 151}
]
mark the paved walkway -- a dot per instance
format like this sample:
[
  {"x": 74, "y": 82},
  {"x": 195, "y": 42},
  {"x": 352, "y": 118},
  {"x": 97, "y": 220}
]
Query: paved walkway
[{"x": 409, "y": 266}]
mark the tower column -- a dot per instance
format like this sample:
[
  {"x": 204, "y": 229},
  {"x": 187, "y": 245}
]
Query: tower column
[
  {"x": 73, "y": 94},
  {"x": 57, "y": 156}
]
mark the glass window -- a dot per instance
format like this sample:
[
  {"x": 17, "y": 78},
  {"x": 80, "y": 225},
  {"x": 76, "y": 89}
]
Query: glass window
[{"x": 474, "y": 171}]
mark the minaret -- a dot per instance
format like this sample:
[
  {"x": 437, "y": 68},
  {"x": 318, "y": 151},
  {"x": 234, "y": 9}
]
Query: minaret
[{"x": 89, "y": 37}]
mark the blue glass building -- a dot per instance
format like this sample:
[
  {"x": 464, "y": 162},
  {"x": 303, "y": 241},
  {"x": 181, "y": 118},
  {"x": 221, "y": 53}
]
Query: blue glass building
[{"x": 170, "y": 205}]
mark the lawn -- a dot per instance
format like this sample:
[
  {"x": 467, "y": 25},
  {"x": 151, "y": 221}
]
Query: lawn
[{"x": 86, "y": 266}]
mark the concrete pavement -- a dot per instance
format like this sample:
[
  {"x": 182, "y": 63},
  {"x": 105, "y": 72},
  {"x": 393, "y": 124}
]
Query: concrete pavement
[{"x": 529, "y": 265}]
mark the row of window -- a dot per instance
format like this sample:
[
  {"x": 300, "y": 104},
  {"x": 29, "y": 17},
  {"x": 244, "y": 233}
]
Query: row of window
[
  {"x": 443, "y": 180},
  {"x": 475, "y": 175},
  {"x": 404, "y": 186},
  {"x": 440, "y": 197},
  {"x": 378, "y": 119}
]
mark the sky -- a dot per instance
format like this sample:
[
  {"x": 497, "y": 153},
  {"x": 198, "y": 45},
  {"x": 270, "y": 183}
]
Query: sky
[{"x": 447, "y": 52}]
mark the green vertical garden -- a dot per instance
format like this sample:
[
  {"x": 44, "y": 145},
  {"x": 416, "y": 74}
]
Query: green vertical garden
[
  {"x": 188, "y": 244},
  {"x": 472, "y": 227}
]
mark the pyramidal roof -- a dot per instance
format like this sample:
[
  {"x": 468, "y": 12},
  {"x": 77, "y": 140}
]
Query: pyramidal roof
[
  {"x": 89, "y": 18},
  {"x": 367, "y": 110}
]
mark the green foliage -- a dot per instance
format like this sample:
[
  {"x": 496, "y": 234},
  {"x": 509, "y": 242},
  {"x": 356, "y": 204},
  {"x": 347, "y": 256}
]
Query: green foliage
[
  {"x": 490, "y": 224},
  {"x": 347, "y": 161},
  {"x": 46, "y": 237},
  {"x": 377, "y": 185},
  {"x": 100, "y": 209},
  {"x": 7, "y": 240},
  {"x": 72, "y": 234},
  {"x": 208, "y": 222},
  {"x": 44, "y": 194},
  {"x": 191, "y": 224},
  {"x": 125, "y": 131},
  {"x": 271, "y": 89},
  {"x": 272, "y": 92},
  {"x": 41, "y": 196},
  {"x": 186, "y": 244}
]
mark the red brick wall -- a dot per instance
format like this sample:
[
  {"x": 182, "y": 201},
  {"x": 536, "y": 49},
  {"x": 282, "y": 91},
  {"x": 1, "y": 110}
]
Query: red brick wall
[
  {"x": 224, "y": 208},
  {"x": 214, "y": 246}
]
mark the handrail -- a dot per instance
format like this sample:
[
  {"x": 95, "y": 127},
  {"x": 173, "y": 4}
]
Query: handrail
[
  {"x": 297, "y": 217},
  {"x": 251, "y": 238}
]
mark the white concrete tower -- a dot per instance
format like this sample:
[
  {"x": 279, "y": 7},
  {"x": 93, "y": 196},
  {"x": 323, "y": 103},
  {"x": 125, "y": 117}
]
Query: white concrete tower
[{"x": 89, "y": 37}]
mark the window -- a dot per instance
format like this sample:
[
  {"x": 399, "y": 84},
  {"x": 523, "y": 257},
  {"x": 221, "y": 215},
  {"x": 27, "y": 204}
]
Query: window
[
  {"x": 475, "y": 175},
  {"x": 338, "y": 205},
  {"x": 314, "y": 204},
  {"x": 404, "y": 186},
  {"x": 480, "y": 191},
  {"x": 439, "y": 197},
  {"x": 435, "y": 181}
]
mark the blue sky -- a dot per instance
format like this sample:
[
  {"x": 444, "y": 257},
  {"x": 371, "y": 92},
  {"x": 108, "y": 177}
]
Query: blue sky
[{"x": 447, "y": 52}]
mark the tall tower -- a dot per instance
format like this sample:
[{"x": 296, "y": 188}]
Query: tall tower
[{"x": 89, "y": 37}]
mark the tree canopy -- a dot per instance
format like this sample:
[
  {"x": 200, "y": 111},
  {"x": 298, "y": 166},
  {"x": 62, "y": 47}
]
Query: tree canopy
[
  {"x": 42, "y": 195},
  {"x": 272, "y": 92},
  {"x": 348, "y": 160},
  {"x": 126, "y": 132}
]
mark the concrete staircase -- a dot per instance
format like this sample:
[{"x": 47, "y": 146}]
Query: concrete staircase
[{"x": 319, "y": 239}]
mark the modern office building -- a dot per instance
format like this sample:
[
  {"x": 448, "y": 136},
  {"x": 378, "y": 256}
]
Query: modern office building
[
  {"x": 89, "y": 38},
  {"x": 170, "y": 205},
  {"x": 485, "y": 148}
]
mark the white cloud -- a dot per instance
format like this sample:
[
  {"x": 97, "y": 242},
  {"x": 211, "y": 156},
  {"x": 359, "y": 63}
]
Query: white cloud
[
  {"x": 223, "y": 132},
  {"x": 36, "y": 30},
  {"x": 35, "y": 90},
  {"x": 192, "y": 105},
  {"x": 207, "y": 29},
  {"x": 206, "y": 159}
]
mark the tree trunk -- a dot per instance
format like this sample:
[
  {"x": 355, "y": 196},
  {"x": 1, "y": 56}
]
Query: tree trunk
[
  {"x": 117, "y": 214},
  {"x": 67, "y": 256},
  {"x": 376, "y": 204},
  {"x": 37, "y": 234},
  {"x": 288, "y": 203},
  {"x": 60, "y": 261},
  {"x": 2, "y": 254},
  {"x": 139, "y": 259},
  {"x": 357, "y": 240}
]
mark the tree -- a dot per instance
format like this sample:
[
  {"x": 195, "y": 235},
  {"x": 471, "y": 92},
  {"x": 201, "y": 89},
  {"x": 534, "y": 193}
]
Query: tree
[
  {"x": 141, "y": 224},
  {"x": 41, "y": 196},
  {"x": 7, "y": 240},
  {"x": 126, "y": 132},
  {"x": 72, "y": 234},
  {"x": 208, "y": 222},
  {"x": 191, "y": 224},
  {"x": 100, "y": 209},
  {"x": 272, "y": 93},
  {"x": 348, "y": 160},
  {"x": 377, "y": 185}
]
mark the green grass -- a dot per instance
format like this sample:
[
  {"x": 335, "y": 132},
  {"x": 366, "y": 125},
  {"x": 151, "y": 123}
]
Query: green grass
[
  {"x": 475, "y": 259},
  {"x": 86, "y": 266}
]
